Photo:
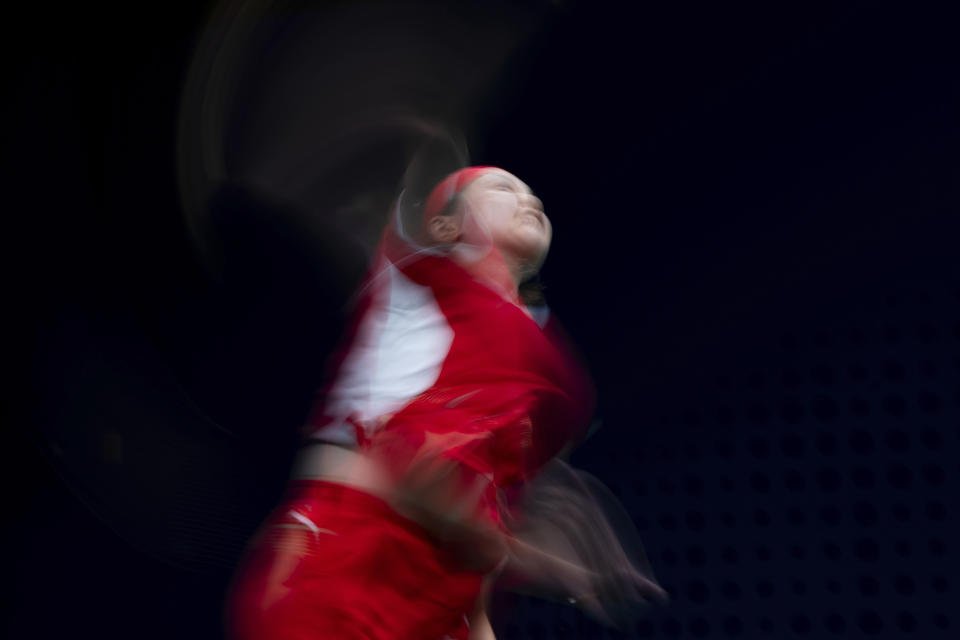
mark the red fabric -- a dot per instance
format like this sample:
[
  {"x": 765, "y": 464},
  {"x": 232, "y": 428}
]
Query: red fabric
[
  {"x": 509, "y": 395},
  {"x": 368, "y": 573}
]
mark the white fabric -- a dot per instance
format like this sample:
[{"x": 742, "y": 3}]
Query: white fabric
[{"x": 400, "y": 347}]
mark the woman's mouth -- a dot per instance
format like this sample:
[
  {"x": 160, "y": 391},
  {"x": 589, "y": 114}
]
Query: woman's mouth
[{"x": 535, "y": 214}]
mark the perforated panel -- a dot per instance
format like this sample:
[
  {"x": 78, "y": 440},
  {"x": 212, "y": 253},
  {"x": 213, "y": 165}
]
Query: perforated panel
[{"x": 803, "y": 491}]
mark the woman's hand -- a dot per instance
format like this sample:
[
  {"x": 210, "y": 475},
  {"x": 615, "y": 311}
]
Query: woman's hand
[
  {"x": 444, "y": 498},
  {"x": 548, "y": 574},
  {"x": 601, "y": 595}
]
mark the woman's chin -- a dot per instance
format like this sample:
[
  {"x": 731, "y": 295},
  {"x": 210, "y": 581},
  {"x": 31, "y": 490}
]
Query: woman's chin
[{"x": 532, "y": 244}]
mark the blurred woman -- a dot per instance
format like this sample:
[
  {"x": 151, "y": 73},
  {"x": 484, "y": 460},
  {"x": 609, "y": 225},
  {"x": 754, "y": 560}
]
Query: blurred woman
[{"x": 448, "y": 398}]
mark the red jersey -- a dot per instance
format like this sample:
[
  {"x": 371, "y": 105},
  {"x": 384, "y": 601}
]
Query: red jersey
[{"x": 439, "y": 362}]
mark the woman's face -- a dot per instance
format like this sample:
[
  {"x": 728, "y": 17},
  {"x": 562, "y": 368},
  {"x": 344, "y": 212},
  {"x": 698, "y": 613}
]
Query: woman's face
[{"x": 500, "y": 209}]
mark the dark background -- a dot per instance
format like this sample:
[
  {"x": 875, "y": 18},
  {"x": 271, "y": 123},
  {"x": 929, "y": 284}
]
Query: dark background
[{"x": 755, "y": 249}]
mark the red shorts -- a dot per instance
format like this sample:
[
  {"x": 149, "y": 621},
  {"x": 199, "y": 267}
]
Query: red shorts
[{"x": 334, "y": 562}]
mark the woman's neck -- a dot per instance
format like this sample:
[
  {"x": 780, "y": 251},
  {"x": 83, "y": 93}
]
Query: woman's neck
[{"x": 493, "y": 271}]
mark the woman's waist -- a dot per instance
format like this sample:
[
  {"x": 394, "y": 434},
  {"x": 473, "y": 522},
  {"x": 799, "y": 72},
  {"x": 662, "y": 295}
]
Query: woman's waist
[
  {"x": 320, "y": 465},
  {"x": 345, "y": 484},
  {"x": 330, "y": 463}
]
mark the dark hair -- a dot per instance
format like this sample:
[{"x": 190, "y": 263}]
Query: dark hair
[{"x": 531, "y": 291}]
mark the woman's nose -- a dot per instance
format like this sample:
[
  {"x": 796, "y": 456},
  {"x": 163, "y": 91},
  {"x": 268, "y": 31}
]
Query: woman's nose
[{"x": 533, "y": 201}]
